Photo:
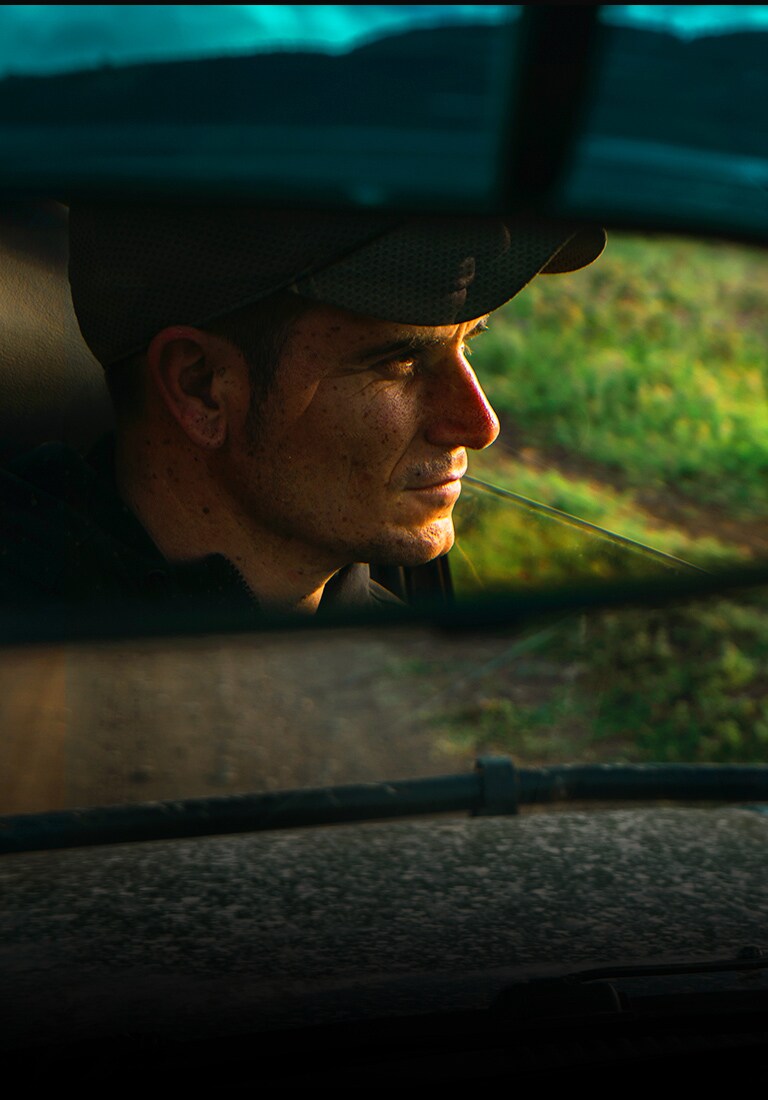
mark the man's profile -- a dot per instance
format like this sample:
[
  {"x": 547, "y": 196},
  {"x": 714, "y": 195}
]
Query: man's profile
[{"x": 293, "y": 400}]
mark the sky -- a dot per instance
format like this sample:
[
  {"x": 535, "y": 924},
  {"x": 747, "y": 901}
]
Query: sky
[
  {"x": 689, "y": 20},
  {"x": 48, "y": 38}
]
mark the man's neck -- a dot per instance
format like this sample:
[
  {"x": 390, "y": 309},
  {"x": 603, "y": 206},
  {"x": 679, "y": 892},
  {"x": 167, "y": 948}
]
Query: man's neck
[{"x": 187, "y": 525}]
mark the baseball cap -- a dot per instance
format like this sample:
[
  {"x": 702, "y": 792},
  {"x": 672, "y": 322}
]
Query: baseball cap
[{"x": 134, "y": 270}]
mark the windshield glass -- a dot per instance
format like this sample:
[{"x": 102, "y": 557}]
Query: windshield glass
[
  {"x": 136, "y": 722},
  {"x": 632, "y": 445},
  {"x": 629, "y": 391},
  {"x": 630, "y": 395},
  {"x": 97, "y": 98},
  {"x": 44, "y": 39},
  {"x": 686, "y": 149}
]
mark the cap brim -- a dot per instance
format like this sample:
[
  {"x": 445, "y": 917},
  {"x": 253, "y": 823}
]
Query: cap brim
[
  {"x": 445, "y": 271},
  {"x": 134, "y": 270},
  {"x": 583, "y": 248}
]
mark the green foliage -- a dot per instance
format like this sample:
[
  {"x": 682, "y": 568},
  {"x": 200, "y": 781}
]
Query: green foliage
[
  {"x": 501, "y": 542},
  {"x": 632, "y": 394},
  {"x": 651, "y": 362},
  {"x": 687, "y": 684},
  {"x": 543, "y": 732}
]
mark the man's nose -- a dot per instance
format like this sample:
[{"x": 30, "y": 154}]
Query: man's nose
[{"x": 459, "y": 413}]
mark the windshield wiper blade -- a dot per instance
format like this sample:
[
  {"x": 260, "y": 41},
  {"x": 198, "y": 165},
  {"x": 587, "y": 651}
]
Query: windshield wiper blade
[
  {"x": 496, "y": 787},
  {"x": 608, "y": 991},
  {"x": 536, "y": 507},
  {"x": 748, "y": 958}
]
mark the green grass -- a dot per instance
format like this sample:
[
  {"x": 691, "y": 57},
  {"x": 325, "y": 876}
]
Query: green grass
[
  {"x": 653, "y": 363},
  {"x": 633, "y": 394},
  {"x": 499, "y": 542},
  {"x": 688, "y": 684}
]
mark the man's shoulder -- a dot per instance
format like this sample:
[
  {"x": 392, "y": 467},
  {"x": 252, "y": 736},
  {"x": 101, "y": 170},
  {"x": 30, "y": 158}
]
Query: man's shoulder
[
  {"x": 48, "y": 468},
  {"x": 59, "y": 538},
  {"x": 37, "y": 524}
]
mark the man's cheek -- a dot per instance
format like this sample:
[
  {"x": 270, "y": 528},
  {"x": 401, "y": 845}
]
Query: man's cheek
[{"x": 385, "y": 430}]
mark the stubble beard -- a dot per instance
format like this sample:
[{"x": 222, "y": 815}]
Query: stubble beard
[
  {"x": 403, "y": 548},
  {"x": 411, "y": 549}
]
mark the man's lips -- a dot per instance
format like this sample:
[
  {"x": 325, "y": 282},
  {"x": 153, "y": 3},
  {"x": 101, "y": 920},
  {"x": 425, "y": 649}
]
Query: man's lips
[{"x": 437, "y": 480}]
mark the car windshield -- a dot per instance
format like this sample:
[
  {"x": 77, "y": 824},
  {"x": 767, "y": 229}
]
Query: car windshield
[{"x": 630, "y": 394}]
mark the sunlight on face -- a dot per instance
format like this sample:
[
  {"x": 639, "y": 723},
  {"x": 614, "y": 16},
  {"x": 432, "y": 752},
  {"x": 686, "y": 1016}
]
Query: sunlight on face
[{"x": 363, "y": 440}]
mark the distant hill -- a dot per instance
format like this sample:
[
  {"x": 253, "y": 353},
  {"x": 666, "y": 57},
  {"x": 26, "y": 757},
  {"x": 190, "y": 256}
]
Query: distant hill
[
  {"x": 711, "y": 92},
  {"x": 406, "y": 79}
]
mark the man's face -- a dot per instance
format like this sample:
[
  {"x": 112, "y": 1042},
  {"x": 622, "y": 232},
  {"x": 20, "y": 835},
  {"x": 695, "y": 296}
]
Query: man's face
[{"x": 362, "y": 441}]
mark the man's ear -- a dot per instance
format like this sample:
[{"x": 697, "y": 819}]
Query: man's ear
[{"x": 182, "y": 365}]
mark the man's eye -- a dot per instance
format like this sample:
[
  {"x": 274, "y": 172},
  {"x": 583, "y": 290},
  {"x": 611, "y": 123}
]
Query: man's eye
[{"x": 398, "y": 368}]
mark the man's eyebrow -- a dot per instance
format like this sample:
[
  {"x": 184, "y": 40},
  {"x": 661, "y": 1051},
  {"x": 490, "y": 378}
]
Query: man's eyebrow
[{"x": 419, "y": 341}]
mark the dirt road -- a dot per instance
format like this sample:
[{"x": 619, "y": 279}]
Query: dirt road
[{"x": 114, "y": 723}]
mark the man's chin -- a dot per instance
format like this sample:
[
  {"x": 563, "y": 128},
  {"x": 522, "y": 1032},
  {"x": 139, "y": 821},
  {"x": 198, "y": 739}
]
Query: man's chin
[{"x": 414, "y": 548}]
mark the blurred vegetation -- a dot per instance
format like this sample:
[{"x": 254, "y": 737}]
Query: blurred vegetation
[
  {"x": 499, "y": 541},
  {"x": 688, "y": 684},
  {"x": 633, "y": 395},
  {"x": 651, "y": 363}
]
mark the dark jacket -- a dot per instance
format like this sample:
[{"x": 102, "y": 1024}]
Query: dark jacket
[{"x": 67, "y": 536}]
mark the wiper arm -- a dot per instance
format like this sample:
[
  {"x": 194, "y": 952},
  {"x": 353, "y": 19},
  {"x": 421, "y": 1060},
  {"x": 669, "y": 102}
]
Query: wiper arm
[
  {"x": 575, "y": 996},
  {"x": 748, "y": 958},
  {"x": 535, "y": 506},
  {"x": 496, "y": 787}
]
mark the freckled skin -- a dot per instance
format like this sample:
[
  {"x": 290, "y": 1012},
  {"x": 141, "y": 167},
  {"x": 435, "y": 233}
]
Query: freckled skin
[
  {"x": 353, "y": 459},
  {"x": 343, "y": 446}
]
